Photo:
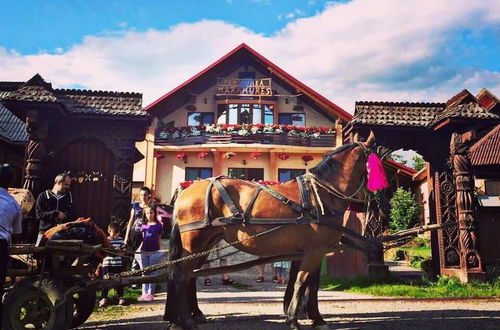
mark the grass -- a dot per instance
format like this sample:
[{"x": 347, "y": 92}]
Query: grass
[
  {"x": 390, "y": 286},
  {"x": 422, "y": 251}
]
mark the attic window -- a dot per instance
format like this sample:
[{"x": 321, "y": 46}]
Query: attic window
[{"x": 246, "y": 75}]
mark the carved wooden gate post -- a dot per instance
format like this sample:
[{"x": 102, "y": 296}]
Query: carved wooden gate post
[
  {"x": 376, "y": 221},
  {"x": 36, "y": 152},
  {"x": 470, "y": 258}
]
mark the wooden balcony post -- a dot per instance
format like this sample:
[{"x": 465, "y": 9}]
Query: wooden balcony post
[
  {"x": 339, "y": 134},
  {"x": 217, "y": 164},
  {"x": 272, "y": 166}
]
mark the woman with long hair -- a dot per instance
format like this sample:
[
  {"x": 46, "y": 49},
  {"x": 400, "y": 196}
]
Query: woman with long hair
[{"x": 133, "y": 235}]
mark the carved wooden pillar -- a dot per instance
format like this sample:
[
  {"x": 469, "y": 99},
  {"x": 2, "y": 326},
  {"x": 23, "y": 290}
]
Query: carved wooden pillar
[
  {"x": 470, "y": 258},
  {"x": 36, "y": 152},
  {"x": 449, "y": 256},
  {"x": 376, "y": 221}
]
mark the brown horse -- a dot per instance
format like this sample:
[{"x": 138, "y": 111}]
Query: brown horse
[{"x": 342, "y": 175}]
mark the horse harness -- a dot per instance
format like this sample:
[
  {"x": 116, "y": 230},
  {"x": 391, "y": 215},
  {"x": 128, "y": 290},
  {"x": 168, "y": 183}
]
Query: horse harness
[{"x": 309, "y": 213}]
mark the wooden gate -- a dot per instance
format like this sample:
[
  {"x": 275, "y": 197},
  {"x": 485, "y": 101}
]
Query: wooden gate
[{"x": 91, "y": 166}]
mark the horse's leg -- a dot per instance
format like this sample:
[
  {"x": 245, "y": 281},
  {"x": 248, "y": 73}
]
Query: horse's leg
[
  {"x": 310, "y": 262},
  {"x": 193, "y": 299},
  {"x": 178, "y": 309},
  {"x": 182, "y": 318},
  {"x": 312, "y": 302},
  {"x": 292, "y": 277}
]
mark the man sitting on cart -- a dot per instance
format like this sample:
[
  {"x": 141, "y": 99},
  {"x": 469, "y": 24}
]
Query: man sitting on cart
[{"x": 55, "y": 206}]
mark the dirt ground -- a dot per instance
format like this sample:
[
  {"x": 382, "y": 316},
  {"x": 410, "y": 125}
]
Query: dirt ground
[
  {"x": 365, "y": 313},
  {"x": 259, "y": 306}
]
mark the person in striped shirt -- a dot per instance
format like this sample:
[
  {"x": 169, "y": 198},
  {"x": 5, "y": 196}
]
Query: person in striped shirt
[{"x": 113, "y": 264}]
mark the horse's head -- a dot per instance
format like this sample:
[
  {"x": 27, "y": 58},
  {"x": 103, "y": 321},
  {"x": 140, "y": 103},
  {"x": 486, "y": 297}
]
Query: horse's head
[{"x": 351, "y": 168}]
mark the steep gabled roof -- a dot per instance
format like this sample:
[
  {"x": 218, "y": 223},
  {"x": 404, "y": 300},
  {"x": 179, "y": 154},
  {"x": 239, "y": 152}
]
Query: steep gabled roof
[
  {"x": 488, "y": 100},
  {"x": 486, "y": 151},
  {"x": 331, "y": 107}
]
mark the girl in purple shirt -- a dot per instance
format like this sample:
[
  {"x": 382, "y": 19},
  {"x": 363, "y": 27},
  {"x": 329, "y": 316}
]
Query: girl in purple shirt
[{"x": 150, "y": 248}]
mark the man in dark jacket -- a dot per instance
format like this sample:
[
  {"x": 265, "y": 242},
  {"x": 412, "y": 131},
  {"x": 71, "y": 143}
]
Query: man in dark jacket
[{"x": 55, "y": 206}]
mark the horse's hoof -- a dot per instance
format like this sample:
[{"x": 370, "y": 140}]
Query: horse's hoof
[
  {"x": 321, "y": 327},
  {"x": 199, "y": 318},
  {"x": 293, "y": 325},
  {"x": 173, "y": 326}
]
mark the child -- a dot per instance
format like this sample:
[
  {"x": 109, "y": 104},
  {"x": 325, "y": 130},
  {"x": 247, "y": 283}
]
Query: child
[
  {"x": 150, "y": 248},
  {"x": 112, "y": 264},
  {"x": 282, "y": 271}
]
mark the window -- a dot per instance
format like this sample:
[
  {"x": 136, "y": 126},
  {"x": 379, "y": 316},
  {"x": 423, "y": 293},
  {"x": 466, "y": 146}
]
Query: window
[
  {"x": 196, "y": 173},
  {"x": 200, "y": 118},
  {"x": 287, "y": 174},
  {"x": 295, "y": 119},
  {"x": 246, "y": 173},
  {"x": 245, "y": 113}
]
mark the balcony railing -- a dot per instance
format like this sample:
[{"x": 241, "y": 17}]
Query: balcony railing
[{"x": 247, "y": 134}]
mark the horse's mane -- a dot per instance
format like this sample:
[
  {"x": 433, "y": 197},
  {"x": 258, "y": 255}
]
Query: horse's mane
[{"x": 329, "y": 166}]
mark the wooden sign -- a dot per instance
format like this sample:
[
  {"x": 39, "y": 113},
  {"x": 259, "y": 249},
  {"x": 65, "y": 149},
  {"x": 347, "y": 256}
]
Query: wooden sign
[{"x": 244, "y": 87}]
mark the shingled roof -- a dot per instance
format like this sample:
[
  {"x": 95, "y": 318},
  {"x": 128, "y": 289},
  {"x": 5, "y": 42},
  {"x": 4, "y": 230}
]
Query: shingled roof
[
  {"x": 425, "y": 115},
  {"x": 396, "y": 113},
  {"x": 486, "y": 151},
  {"x": 80, "y": 101},
  {"x": 11, "y": 128}
]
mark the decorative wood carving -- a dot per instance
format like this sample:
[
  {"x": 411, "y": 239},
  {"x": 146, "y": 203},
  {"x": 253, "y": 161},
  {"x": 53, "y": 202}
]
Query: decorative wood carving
[
  {"x": 470, "y": 258},
  {"x": 445, "y": 211}
]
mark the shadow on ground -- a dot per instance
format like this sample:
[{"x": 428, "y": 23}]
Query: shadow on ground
[{"x": 432, "y": 319}]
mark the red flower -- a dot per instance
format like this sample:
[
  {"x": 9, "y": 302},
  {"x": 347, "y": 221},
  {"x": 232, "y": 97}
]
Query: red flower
[
  {"x": 186, "y": 184},
  {"x": 255, "y": 154},
  {"x": 158, "y": 155},
  {"x": 203, "y": 154},
  {"x": 283, "y": 156},
  {"x": 307, "y": 158},
  {"x": 181, "y": 156}
]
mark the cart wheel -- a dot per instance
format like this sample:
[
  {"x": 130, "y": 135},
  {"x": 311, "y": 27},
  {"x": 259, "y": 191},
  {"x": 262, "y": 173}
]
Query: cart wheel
[
  {"x": 83, "y": 306},
  {"x": 36, "y": 304}
]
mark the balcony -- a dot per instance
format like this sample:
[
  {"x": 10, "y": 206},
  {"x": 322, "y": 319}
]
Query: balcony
[{"x": 247, "y": 134}]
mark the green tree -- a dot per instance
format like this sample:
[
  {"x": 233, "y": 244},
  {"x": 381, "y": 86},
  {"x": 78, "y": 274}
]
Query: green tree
[
  {"x": 418, "y": 163},
  {"x": 405, "y": 210}
]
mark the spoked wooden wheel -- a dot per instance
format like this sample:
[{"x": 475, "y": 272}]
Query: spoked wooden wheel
[
  {"x": 83, "y": 306},
  {"x": 36, "y": 304}
]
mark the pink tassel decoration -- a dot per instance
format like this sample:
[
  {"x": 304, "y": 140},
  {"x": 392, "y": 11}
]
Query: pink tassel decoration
[{"x": 377, "y": 180}]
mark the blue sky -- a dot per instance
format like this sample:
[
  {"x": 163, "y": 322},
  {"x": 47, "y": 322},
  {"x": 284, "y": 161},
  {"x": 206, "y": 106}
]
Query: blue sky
[
  {"x": 388, "y": 50},
  {"x": 60, "y": 24}
]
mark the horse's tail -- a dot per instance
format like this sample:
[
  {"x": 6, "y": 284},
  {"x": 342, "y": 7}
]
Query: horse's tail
[{"x": 175, "y": 247}]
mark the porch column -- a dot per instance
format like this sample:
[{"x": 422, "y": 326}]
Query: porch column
[
  {"x": 217, "y": 164},
  {"x": 273, "y": 176}
]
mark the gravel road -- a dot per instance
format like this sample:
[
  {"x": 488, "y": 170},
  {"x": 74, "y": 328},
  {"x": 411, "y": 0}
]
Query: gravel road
[{"x": 349, "y": 313}]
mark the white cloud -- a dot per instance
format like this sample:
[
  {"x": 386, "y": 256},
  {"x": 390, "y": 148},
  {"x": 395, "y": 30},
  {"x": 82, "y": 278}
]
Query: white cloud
[
  {"x": 292, "y": 15},
  {"x": 361, "y": 50}
]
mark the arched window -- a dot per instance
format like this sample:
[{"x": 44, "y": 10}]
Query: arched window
[{"x": 245, "y": 113}]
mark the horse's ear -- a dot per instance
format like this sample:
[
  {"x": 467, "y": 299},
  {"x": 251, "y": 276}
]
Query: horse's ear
[{"x": 371, "y": 139}]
